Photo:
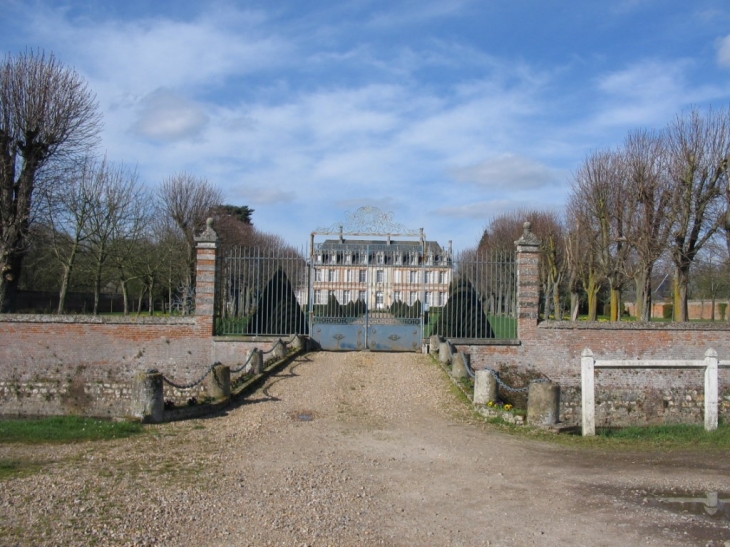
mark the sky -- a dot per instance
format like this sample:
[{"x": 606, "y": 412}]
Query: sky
[{"x": 445, "y": 113}]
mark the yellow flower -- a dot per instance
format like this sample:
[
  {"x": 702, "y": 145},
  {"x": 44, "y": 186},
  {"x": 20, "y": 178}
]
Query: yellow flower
[
  {"x": 490, "y": 403},
  {"x": 507, "y": 407}
]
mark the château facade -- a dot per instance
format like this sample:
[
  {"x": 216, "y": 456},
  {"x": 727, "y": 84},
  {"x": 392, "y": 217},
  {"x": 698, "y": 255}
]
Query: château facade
[{"x": 381, "y": 272}]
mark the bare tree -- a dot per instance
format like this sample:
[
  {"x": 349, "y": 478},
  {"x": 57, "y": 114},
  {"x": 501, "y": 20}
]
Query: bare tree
[
  {"x": 584, "y": 270},
  {"x": 47, "y": 113},
  {"x": 188, "y": 201},
  {"x": 649, "y": 194},
  {"x": 600, "y": 199},
  {"x": 69, "y": 207},
  {"x": 117, "y": 218},
  {"x": 698, "y": 147}
]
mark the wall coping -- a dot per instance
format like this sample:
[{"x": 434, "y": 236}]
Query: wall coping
[
  {"x": 722, "y": 326},
  {"x": 248, "y": 338},
  {"x": 483, "y": 341},
  {"x": 96, "y": 319}
]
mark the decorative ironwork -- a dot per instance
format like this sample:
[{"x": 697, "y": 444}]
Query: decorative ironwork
[
  {"x": 367, "y": 221},
  {"x": 394, "y": 337}
]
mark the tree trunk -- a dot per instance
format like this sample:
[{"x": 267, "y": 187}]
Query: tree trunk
[
  {"x": 615, "y": 300},
  {"x": 97, "y": 288},
  {"x": 64, "y": 288},
  {"x": 10, "y": 269},
  {"x": 592, "y": 294},
  {"x": 574, "y": 305},
  {"x": 681, "y": 281},
  {"x": 643, "y": 294},
  {"x": 150, "y": 299},
  {"x": 125, "y": 296},
  {"x": 556, "y": 302}
]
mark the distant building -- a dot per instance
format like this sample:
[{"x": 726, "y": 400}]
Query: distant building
[{"x": 380, "y": 272}]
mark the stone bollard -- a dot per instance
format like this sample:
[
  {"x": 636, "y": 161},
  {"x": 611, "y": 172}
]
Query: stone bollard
[
  {"x": 257, "y": 361},
  {"x": 485, "y": 387},
  {"x": 147, "y": 401},
  {"x": 543, "y": 403},
  {"x": 218, "y": 385},
  {"x": 458, "y": 365},
  {"x": 433, "y": 344},
  {"x": 279, "y": 350},
  {"x": 444, "y": 353}
]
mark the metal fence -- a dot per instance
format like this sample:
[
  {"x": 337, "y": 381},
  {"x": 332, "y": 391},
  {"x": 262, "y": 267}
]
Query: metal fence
[
  {"x": 261, "y": 291},
  {"x": 278, "y": 292},
  {"x": 482, "y": 298}
]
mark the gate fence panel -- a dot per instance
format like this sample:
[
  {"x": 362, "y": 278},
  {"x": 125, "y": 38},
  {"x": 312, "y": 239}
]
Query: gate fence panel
[
  {"x": 262, "y": 291},
  {"x": 482, "y": 298},
  {"x": 274, "y": 291}
]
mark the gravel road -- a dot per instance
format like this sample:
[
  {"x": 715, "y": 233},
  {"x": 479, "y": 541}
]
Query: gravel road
[{"x": 349, "y": 449}]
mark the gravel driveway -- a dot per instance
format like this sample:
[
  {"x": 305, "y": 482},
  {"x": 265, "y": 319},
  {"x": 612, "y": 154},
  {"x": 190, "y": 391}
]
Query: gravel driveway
[{"x": 352, "y": 449}]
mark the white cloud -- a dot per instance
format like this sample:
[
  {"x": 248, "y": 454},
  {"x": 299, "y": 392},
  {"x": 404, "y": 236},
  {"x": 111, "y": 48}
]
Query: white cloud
[
  {"x": 723, "y": 51},
  {"x": 146, "y": 53},
  {"x": 508, "y": 171},
  {"x": 166, "y": 116},
  {"x": 259, "y": 195},
  {"x": 646, "y": 93}
]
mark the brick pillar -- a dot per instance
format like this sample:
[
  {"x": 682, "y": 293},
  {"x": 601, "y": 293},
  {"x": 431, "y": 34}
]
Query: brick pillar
[
  {"x": 528, "y": 282},
  {"x": 206, "y": 250}
]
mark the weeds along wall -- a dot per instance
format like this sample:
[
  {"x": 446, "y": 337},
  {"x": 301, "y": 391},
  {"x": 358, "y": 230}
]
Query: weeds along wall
[
  {"x": 52, "y": 365},
  {"x": 623, "y": 396}
]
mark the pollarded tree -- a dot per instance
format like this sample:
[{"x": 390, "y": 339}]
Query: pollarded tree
[
  {"x": 698, "y": 147},
  {"x": 600, "y": 201},
  {"x": 643, "y": 162},
  {"x": 47, "y": 113}
]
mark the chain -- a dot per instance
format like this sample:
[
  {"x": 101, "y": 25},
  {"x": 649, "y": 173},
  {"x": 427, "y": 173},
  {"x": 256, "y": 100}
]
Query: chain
[
  {"x": 244, "y": 365},
  {"x": 233, "y": 371},
  {"x": 499, "y": 381},
  {"x": 192, "y": 384}
]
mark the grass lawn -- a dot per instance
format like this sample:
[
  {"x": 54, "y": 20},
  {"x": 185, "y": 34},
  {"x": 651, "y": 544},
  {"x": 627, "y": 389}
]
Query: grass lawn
[{"x": 65, "y": 429}]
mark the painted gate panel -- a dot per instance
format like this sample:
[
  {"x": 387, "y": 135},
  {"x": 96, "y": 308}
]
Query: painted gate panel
[{"x": 339, "y": 336}]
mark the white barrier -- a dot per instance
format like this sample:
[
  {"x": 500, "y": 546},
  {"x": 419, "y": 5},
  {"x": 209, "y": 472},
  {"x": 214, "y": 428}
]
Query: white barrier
[{"x": 588, "y": 365}]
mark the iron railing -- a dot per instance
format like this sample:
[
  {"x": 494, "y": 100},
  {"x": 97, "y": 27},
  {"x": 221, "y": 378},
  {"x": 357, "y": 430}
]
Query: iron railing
[
  {"x": 278, "y": 291},
  {"x": 261, "y": 291},
  {"x": 482, "y": 298}
]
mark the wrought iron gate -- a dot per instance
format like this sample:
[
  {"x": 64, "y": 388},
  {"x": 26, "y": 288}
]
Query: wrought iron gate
[{"x": 371, "y": 294}]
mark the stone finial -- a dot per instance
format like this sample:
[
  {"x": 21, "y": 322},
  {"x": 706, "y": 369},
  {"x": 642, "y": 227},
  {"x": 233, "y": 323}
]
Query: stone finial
[
  {"x": 528, "y": 238},
  {"x": 208, "y": 234}
]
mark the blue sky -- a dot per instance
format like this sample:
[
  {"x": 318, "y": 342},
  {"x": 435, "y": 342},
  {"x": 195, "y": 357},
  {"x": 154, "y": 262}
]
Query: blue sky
[{"x": 445, "y": 112}]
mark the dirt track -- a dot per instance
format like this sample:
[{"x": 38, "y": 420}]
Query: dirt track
[{"x": 352, "y": 449}]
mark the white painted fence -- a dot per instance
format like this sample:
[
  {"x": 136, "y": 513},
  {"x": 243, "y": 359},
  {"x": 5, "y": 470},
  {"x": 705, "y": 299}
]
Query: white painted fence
[{"x": 588, "y": 365}]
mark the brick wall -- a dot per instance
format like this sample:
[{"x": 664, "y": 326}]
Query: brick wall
[
  {"x": 552, "y": 349},
  {"x": 80, "y": 364},
  {"x": 84, "y": 365},
  {"x": 696, "y": 309},
  {"x": 622, "y": 396}
]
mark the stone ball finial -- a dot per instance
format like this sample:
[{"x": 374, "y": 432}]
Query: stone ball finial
[
  {"x": 528, "y": 238},
  {"x": 208, "y": 234}
]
